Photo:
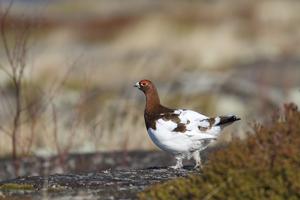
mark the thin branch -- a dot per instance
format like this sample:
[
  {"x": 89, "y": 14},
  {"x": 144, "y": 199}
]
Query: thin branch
[
  {"x": 6, "y": 105},
  {"x": 217, "y": 189},
  {"x": 23, "y": 51},
  {"x": 54, "y": 119},
  {"x": 56, "y": 87},
  {"x": 31, "y": 138},
  {"x": 3, "y": 34},
  {"x": 5, "y": 71},
  {"x": 4, "y": 130}
]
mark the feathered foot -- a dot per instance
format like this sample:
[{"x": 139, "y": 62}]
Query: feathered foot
[
  {"x": 179, "y": 164},
  {"x": 197, "y": 158}
]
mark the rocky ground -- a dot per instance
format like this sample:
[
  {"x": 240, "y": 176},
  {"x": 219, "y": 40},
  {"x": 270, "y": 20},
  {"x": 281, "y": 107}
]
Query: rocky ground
[
  {"x": 115, "y": 175},
  {"x": 107, "y": 184}
]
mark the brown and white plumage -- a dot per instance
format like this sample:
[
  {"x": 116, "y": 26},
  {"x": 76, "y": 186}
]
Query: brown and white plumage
[{"x": 183, "y": 133}]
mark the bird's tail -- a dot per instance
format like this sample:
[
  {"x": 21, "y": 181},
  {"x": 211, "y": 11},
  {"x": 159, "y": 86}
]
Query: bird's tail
[{"x": 226, "y": 120}]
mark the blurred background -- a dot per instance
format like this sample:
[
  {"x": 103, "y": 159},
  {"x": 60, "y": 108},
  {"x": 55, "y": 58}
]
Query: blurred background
[{"x": 68, "y": 68}]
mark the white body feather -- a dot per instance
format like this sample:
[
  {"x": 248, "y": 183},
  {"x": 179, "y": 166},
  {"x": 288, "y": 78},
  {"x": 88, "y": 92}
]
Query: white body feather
[{"x": 184, "y": 143}]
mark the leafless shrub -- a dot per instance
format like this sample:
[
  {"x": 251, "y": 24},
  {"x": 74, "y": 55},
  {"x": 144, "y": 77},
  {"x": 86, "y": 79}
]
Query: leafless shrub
[
  {"x": 16, "y": 50},
  {"x": 27, "y": 108}
]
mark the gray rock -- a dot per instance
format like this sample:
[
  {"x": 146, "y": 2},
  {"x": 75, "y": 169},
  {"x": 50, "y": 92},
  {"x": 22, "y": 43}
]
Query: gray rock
[{"x": 107, "y": 184}]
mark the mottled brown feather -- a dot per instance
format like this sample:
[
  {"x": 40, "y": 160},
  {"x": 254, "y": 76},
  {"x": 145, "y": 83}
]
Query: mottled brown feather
[
  {"x": 160, "y": 112},
  {"x": 155, "y": 111},
  {"x": 180, "y": 128}
]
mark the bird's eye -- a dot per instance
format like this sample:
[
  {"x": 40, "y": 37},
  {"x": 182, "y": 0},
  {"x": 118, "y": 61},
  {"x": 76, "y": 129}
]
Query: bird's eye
[{"x": 143, "y": 84}]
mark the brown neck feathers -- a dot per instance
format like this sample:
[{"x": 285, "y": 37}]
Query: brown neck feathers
[{"x": 152, "y": 100}]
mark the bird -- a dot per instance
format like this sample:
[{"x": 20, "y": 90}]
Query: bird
[{"x": 183, "y": 133}]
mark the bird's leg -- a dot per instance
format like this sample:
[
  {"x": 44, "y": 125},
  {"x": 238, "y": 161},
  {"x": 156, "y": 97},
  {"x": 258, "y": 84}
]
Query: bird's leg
[
  {"x": 179, "y": 164},
  {"x": 197, "y": 158}
]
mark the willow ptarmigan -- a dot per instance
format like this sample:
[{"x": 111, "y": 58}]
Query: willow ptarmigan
[{"x": 183, "y": 133}]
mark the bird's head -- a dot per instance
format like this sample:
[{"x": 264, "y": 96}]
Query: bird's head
[{"x": 144, "y": 85}]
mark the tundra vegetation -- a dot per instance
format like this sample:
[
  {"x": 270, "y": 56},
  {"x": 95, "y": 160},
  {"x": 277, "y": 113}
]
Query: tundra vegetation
[{"x": 263, "y": 166}]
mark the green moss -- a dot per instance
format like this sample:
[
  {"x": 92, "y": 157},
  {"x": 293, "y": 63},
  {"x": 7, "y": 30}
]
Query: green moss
[
  {"x": 16, "y": 186},
  {"x": 264, "y": 166}
]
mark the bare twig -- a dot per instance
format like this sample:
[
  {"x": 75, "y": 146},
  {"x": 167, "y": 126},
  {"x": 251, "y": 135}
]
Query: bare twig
[
  {"x": 3, "y": 33},
  {"x": 4, "y": 130},
  {"x": 16, "y": 54}
]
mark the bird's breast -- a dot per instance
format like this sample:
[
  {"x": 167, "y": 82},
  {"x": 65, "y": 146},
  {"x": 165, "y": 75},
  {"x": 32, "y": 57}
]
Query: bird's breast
[{"x": 168, "y": 141}]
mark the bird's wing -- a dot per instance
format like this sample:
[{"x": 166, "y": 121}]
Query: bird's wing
[
  {"x": 186, "y": 122},
  {"x": 193, "y": 124},
  {"x": 192, "y": 119},
  {"x": 199, "y": 129},
  {"x": 210, "y": 126}
]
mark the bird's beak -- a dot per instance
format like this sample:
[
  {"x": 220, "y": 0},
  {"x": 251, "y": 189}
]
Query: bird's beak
[{"x": 137, "y": 85}]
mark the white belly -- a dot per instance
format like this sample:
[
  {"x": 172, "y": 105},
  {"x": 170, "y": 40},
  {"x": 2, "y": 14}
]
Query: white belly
[{"x": 175, "y": 143}]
